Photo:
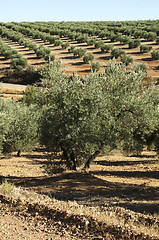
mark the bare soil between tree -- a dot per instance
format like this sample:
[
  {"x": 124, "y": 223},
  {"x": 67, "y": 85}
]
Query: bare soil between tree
[{"x": 117, "y": 199}]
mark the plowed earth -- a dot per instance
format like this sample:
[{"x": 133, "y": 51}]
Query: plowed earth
[{"x": 117, "y": 199}]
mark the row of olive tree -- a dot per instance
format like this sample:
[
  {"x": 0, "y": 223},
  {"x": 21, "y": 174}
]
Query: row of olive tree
[
  {"x": 41, "y": 51},
  {"x": 17, "y": 61}
]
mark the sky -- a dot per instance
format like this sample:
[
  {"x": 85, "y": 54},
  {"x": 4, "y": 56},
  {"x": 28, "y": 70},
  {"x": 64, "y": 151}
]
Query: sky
[{"x": 78, "y": 10}]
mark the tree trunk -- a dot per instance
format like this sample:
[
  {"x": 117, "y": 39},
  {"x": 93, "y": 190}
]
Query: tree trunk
[
  {"x": 66, "y": 157},
  {"x": 19, "y": 153},
  {"x": 87, "y": 164},
  {"x": 72, "y": 157}
]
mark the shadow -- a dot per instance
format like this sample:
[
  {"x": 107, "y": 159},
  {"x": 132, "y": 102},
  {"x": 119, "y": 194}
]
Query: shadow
[
  {"x": 13, "y": 44},
  {"x": 57, "y": 49},
  {"x": 148, "y": 208},
  {"x": 105, "y": 58},
  {"x": 4, "y": 68},
  {"x": 2, "y": 59},
  {"x": 86, "y": 71},
  {"x": 5, "y": 63},
  {"x": 124, "y": 163},
  {"x": 78, "y": 63},
  {"x": 128, "y": 174},
  {"x": 27, "y": 54},
  {"x": 38, "y": 41},
  {"x": 69, "y": 57},
  {"x": 90, "y": 48},
  {"x": 146, "y": 59},
  {"x": 24, "y": 50},
  {"x": 89, "y": 190},
  {"x": 66, "y": 52},
  {"x": 32, "y": 58},
  {"x": 98, "y": 52},
  {"x": 37, "y": 64},
  {"x": 135, "y": 53},
  {"x": 157, "y": 68}
]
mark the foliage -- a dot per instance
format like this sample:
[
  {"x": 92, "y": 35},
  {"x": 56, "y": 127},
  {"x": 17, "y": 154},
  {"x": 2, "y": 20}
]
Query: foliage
[
  {"x": 18, "y": 63},
  {"x": 71, "y": 49},
  {"x": 91, "y": 41},
  {"x": 117, "y": 52},
  {"x": 79, "y": 52},
  {"x": 65, "y": 45},
  {"x": 145, "y": 48},
  {"x": 41, "y": 51},
  {"x": 127, "y": 59},
  {"x": 80, "y": 118},
  {"x": 106, "y": 48},
  {"x": 124, "y": 39},
  {"x": 6, "y": 187},
  {"x": 150, "y": 36},
  {"x": 140, "y": 67},
  {"x": 95, "y": 66},
  {"x": 57, "y": 42},
  {"x": 134, "y": 43},
  {"x": 98, "y": 44},
  {"x": 49, "y": 57},
  {"x": 88, "y": 57},
  {"x": 20, "y": 132},
  {"x": 155, "y": 55}
]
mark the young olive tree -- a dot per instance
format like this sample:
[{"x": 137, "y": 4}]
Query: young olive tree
[{"x": 81, "y": 117}]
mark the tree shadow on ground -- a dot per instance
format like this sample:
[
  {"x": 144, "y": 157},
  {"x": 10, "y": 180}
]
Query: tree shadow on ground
[
  {"x": 124, "y": 163},
  {"x": 85, "y": 188},
  {"x": 129, "y": 174},
  {"x": 105, "y": 58},
  {"x": 146, "y": 59},
  {"x": 78, "y": 63}
]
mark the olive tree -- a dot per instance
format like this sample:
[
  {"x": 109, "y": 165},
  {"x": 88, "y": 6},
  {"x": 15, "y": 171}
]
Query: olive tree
[
  {"x": 21, "y": 128},
  {"x": 81, "y": 117}
]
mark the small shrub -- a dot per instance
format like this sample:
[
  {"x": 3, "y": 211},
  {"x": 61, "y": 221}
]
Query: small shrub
[
  {"x": 18, "y": 63},
  {"x": 65, "y": 45},
  {"x": 155, "y": 55},
  {"x": 6, "y": 187},
  {"x": 117, "y": 52},
  {"x": 88, "y": 57},
  {"x": 141, "y": 67},
  {"x": 127, "y": 59},
  {"x": 145, "y": 48},
  {"x": 91, "y": 41},
  {"x": 49, "y": 57},
  {"x": 134, "y": 43},
  {"x": 57, "y": 42},
  {"x": 157, "y": 40},
  {"x": 98, "y": 44},
  {"x": 71, "y": 49},
  {"x": 79, "y": 52},
  {"x": 95, "y": 66},
  {"x": 106, "y": 48}
]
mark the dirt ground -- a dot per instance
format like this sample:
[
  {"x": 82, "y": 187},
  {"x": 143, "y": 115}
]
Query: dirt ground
[{"x": 130, "y": 183}]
